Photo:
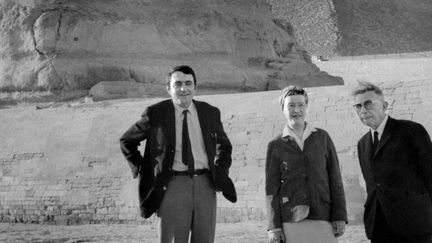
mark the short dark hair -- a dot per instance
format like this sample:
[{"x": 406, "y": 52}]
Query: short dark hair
[
  {"x": 184, "y": 69},
  {"x": 292, "y": 90},
  {"x": 365, "y": 86}
]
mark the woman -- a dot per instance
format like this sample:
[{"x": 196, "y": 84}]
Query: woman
[{"x": 305, "y": 195}]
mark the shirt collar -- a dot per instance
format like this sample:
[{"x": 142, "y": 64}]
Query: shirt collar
[
  {"x": 179, "y": 110},
  {"x": 289, "y": 132},
  {"x": 381, "y": 127}
]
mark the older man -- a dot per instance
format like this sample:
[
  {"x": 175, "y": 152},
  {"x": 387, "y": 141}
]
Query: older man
[{"x": 396, "y": 160}]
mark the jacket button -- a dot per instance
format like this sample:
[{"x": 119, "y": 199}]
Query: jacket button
[
  {"x": 378, "y": 184},
  {"x": 164, "y": 188}
]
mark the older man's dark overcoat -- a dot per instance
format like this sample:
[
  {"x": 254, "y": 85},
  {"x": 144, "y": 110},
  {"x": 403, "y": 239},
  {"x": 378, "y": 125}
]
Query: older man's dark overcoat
[{"x": 398, "y": 179}]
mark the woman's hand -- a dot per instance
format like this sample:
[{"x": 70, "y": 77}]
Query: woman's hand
[
  {"x": 338, "y": 228},
  {"x": 275, "y": 236}
]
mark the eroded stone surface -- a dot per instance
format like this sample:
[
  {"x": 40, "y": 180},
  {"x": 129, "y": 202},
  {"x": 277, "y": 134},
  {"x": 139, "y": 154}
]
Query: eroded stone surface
[
  {"x": 74, "y": 44},
  {"x": 358, "y": 27}
]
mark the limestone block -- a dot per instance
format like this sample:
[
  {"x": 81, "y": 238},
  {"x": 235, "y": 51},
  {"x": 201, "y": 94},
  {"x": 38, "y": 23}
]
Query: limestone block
[
  {"x": 240, "y": 138},
  {"x": 46, "y": 32},
  {"x": 128, "y": 193},
  {"x": 299, "y": 68},
  {"x": 117, "y": 89}
]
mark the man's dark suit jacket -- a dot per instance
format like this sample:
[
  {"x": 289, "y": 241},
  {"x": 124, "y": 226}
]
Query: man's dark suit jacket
[
  {"x": 157, "y": 127},
  {"x": 398, "y": 175}
]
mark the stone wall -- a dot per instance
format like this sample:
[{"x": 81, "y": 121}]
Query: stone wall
[
  {"x": 381, "y": 68},
  {"x": 63, "y": 164}
]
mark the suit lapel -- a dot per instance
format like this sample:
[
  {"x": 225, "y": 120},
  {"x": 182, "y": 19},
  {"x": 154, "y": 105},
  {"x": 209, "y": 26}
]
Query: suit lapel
[
  {"x": 291, "y": 141},
  {"x": 366, "y": 157},
  {"x": 202, "y": 117},
  {"x": 205, "y": 129},
  {"x": 386, "y": 134},
  {"x": 169, "y": 122},
  {"x": 368, "y": 145}
]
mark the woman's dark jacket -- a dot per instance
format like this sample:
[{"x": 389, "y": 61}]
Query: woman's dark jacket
[{"x": 310, "y": 177}]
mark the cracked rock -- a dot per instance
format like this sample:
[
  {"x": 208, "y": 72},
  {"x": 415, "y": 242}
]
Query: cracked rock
[{"x": 73, "y": 45}]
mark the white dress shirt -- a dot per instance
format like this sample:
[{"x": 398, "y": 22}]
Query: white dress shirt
[
  {"x": 307, "y": 132},
  {"x": 380, "y": 128},
  {"x": 195, "y": 136}
]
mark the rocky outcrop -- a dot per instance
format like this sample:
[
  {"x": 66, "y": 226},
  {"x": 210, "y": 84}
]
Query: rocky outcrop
[
  {"x": 358, "y": 27},
  {"x": 74, "y": 44},
  {"x": 383, "y": 26},
  {"x": 314, "y": 23}
]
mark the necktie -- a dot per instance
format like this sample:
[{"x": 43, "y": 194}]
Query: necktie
[
  {"x": 187, "y": 156},
  {"x": 375, "y": 141}
]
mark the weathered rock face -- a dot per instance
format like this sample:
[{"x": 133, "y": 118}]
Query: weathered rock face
[
  {"x": 74, "y": 44},
  {"x": 384, "y": 26},
  {"x": 358, "y": 27},
  {"x": 314, "y": 23}
]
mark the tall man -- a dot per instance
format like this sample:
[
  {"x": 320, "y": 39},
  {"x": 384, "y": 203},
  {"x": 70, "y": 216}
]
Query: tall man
[
  {"x": 396, "y": 162},
  {"x": 187, "y": 157}
]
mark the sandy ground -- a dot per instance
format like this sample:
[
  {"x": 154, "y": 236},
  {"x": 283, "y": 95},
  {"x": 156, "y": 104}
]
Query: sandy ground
[{"x": 244, "y": 232}]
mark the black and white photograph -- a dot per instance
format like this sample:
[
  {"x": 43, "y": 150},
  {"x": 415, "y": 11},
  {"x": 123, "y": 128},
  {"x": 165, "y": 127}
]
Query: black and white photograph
[{"x": 216, "y": 121}]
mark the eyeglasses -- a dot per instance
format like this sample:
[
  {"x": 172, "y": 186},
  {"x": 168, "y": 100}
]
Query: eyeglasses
[{"x": 368, "y": 104}]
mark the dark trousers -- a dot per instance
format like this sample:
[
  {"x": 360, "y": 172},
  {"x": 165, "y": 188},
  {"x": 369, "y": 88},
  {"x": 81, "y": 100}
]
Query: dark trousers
[
  {"x": 383, "y": 233},
  {"x": 188, "y": 211}
]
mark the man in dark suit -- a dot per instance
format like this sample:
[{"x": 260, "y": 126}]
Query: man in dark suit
[
  {"x": 396, "y": 162},
  {"x": 186, "y": 160}
]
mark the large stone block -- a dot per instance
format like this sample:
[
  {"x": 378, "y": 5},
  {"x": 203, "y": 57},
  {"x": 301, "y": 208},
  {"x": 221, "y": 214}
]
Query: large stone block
[{"x": 117, "y": 89}]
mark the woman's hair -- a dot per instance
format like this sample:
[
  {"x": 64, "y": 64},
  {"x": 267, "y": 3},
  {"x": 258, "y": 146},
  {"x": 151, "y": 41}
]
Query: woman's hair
[{"x": 292, "y": 90}]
